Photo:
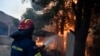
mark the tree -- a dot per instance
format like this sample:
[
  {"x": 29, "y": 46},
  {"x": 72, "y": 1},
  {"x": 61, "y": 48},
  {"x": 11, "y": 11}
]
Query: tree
[
  {"x": 95, "y": 49},
  {"x": 83, "y": 15},
  {"x": 96, "y": 41}
]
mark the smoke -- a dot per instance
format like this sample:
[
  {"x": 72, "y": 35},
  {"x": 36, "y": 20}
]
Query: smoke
[
  {"x": 41, "y": 7},
  {"x": 36, "y": 6},
  {"x": 41, "y": 13}
]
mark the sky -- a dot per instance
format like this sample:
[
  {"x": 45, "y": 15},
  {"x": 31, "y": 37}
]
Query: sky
[{"x": 14, "y": 8}]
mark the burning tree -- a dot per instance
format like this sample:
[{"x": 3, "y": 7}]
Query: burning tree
[
  {"x": 83, "y": 12},
  {"x": 63, "y": 13},
  {"x": 82, "y": 26},
  {"x": 51, "y": 12}
]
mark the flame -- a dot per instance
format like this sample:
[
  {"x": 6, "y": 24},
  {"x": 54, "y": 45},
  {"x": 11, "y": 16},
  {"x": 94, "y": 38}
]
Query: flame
[
  {"x": 39, "y": 42},
  {"x": 61, "y": 12},
  {"x": 75, "y": 1},
  {"x": 67, "y": 4}
]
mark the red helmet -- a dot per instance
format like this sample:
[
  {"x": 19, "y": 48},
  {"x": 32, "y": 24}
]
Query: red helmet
[{"x": 26, "y": 24}]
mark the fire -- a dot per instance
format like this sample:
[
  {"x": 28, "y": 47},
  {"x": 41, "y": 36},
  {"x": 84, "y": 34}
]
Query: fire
[
  {"x": 68, "y": 4},
  {"x": 61, "y": 12},
  {"x": 69, "y": 26},
  {"x": 51, "y": 46},
  {"x": 75, "y": 1},
  {"x": 39, "y": 42}
]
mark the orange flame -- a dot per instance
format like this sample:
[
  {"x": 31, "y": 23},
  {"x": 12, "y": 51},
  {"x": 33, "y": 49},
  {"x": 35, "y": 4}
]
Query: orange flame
[{"x": 39, "y": 42}]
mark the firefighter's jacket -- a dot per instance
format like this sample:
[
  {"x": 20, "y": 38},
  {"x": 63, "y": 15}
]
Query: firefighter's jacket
[{"x": 23, "y": 45}]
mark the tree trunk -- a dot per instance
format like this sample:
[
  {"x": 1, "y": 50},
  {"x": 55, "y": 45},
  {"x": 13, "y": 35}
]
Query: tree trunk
[
  {"x": 82, "y": 26},
  {"x": 62, "y": 24},
  {"x": 78, "y": 15}
]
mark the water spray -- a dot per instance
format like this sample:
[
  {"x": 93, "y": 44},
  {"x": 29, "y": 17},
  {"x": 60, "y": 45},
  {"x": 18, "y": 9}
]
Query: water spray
[{"x": 49, "y": 40}]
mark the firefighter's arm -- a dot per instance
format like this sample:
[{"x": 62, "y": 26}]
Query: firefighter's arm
[{"x": 33, "y": 50}]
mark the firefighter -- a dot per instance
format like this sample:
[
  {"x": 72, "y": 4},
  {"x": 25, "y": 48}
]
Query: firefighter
[{"x": 23, "y": 44}]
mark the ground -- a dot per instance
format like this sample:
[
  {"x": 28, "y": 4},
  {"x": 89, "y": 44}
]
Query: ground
[
  {"x": 5, "y": 44},
  {"x": 4, "y": 50}
]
